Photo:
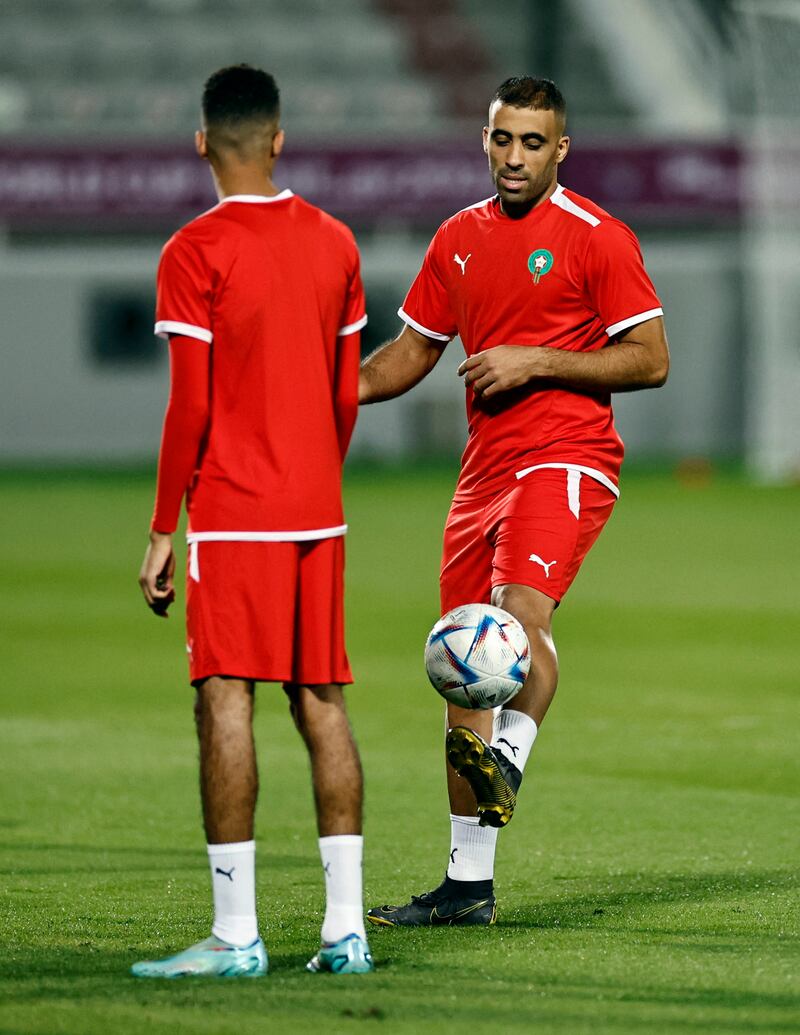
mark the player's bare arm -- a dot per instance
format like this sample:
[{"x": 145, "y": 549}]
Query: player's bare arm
[
  {"x": 397, "y": 366},
  {"x": 638, "y": 358},
  {"x": 157, "y": 573}
]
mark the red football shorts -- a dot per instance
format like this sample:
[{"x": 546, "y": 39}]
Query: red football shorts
[
  {"x": 536, "y": 533},
  {"x": 271, "y": 612}
]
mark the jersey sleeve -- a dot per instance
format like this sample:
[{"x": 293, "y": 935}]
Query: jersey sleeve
[
  {"x": 617, "y": 286},
  {"x": 348, "y": 355},
  {"x": 183, "y": 292},
  {"x": 354, "y": 316},
  {"x": 427, "y": 305},
  {"x": 184, "y": 426}
]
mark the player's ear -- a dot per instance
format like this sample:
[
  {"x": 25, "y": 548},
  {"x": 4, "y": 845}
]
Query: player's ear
[
  {"x": 563, "y": 149},
  {"x": 201, "y": 144},
  {"x": 277, "y": 143},
  {"x": 486, "y": 140}
]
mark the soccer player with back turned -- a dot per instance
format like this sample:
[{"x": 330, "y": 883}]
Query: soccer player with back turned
[
  {"x": 262, "y": 302},
  {"x": 555, "y": 311}
]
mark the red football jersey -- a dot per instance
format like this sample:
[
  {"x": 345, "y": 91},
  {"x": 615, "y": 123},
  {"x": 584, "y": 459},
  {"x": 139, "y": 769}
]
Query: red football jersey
[
  {"x": 567, "y": 276},
  {"x": 273, "y": 283}
]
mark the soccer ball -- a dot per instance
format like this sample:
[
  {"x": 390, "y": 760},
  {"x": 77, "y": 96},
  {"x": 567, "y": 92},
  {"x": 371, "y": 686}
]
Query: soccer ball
[{"x": 477, "y": 656}]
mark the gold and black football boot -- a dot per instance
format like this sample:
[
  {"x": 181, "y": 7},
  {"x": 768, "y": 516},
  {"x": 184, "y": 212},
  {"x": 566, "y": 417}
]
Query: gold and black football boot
[
  {"x": 453, "y": 903},
  {"x": 493, "y": 779}
]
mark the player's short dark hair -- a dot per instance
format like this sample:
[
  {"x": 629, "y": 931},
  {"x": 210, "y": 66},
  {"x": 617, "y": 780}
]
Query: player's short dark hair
[
  {"x": 526, "y": 91},
  {"x": 238, "y": 94}
]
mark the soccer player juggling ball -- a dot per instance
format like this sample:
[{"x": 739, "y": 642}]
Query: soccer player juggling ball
[
  {"x": 555, "y": 311},
  {"x": 262, "y": 302}
]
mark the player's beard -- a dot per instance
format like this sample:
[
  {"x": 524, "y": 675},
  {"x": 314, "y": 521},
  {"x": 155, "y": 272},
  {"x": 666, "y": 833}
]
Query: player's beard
[{"x": 516, "y": 204}]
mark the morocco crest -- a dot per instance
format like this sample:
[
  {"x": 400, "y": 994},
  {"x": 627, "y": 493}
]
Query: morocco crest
[{"x": 540, "y": 262}]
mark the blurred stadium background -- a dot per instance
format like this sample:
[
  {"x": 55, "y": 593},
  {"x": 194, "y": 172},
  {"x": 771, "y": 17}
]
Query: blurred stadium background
[
  {"x": 677, "y": 127},
  {"x": 650, "y": 883}
]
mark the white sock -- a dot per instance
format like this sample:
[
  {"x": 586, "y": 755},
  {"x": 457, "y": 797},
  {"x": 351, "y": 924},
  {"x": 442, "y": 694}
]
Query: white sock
[
  {"x": 344, "y": 903},
  {"x": 514, "y": 734},
  {"x": 472, "y": 849},
  {"x": 233, "y": 880}
]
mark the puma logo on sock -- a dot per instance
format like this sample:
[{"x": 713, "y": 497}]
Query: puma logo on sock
[
  {"x": 226, "y": 873},
  {"x": 502, "y": 740}
]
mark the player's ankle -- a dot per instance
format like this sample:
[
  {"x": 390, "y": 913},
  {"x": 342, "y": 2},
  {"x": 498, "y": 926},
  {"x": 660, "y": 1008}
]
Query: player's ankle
[
  {"x": 472, "y": 851},
  {"x": 513, "y": 736},
  {"x": 341, "y": 856},
  {"x": 468, "y": 888},
  {"x": 234, "y": 889}
]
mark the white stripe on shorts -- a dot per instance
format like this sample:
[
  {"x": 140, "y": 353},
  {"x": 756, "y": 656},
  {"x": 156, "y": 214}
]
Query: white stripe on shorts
[
  {"x": 304, "y": 535},
  {"x": 194, "y": 560},
  {"x": 293, "y": 536},
  {"x": 574, "y": 491},
  {"x": 592, "y": 472}
]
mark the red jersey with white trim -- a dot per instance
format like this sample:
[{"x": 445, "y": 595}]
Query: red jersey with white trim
[
  {"x": 566, "y": 276},
  {"x": 274, "y": 285}
]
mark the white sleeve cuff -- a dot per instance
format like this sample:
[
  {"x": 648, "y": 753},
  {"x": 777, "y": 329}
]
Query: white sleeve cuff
[
  {"x": 166, "y": 327},
  {"x": 422, "y": 330},
  {"x": 351, "y": 328},
  {"x": 631, "y": 321}
]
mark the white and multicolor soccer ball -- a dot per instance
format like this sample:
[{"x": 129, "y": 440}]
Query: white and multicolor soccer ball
[{"x": 477, "y": 656}]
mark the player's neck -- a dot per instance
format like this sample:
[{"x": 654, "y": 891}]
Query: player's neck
[{"x": 243, "y": 180}]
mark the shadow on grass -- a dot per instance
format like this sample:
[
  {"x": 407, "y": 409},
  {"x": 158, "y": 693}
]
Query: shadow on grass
[
  {"x": 570, "y": 1002},
  {"x": 618, "y": 1002},
  {"x": 75, "y": 973},
  {"x": 738, "y": 1002},
  {"x": 625, "y": 894}
]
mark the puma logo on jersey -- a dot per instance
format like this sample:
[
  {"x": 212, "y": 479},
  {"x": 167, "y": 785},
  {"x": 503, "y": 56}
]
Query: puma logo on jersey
[
  {"x": 538, "y": 560},
  {"x": 462, "y": 262}
]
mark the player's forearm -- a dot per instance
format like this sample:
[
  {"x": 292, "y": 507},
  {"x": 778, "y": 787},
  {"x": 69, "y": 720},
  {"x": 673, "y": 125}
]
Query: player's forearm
[
  {"x": 397, "y": 366},
  {"x": 623, "y": 367},
  {"x": 638, "y": 360}
]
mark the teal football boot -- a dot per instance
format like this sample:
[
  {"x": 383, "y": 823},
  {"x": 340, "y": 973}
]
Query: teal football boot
[
  {"x": 350, "y": 955},
  {"x": 209, "y": 958}
]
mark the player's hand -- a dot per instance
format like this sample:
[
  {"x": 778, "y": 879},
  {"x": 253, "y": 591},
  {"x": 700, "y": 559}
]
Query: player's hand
[
  {"x": 500, "y": 369},
  {"x": 156, "y": 575}
]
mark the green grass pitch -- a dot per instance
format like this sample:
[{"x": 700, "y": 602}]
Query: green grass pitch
[{"x": 647, "y": 883}]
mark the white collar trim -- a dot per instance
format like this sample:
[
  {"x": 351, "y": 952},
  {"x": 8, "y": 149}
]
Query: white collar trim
[{"x": 259, "y": 199}]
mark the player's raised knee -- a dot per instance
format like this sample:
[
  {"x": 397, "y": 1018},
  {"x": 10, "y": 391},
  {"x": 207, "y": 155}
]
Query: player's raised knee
[{"x": 528, "y": 605}]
